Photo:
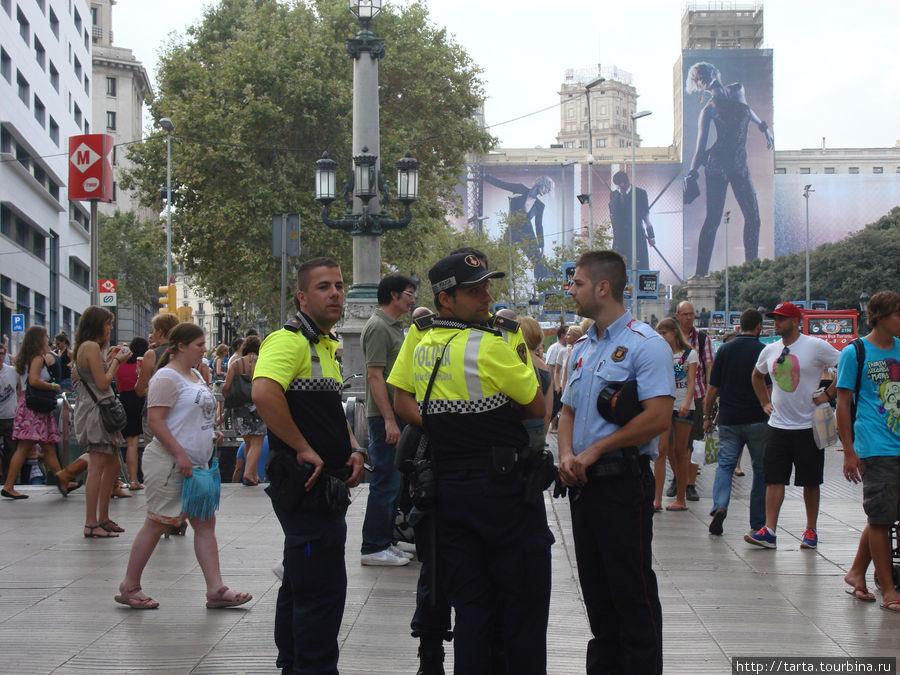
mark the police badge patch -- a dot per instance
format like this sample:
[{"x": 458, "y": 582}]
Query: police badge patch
[
  {"x": 522, "y": 351},
  {"x": 619, "y": 354}
]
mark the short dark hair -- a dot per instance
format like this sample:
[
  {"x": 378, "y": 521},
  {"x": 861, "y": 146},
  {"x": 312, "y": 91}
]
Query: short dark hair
[
  {"x": 62, "y": 336},
  {"x": 620, "y": 177},
  {"x": 750, "y": 319},
  {"x": 393, "y": 283},
  {"x": 470, "y": 250},
  {"x": 236, "y": 343},
  {"x": 605, "y": 266},
  {"x": 450, "y": 291},
  {"x": 251, "y": 331},
  {"x": 881, "y": 305},
  {"x": 561, "y": 332},
  {"x": 251, "y": 345},
  {"x": 309, "y": 265}
]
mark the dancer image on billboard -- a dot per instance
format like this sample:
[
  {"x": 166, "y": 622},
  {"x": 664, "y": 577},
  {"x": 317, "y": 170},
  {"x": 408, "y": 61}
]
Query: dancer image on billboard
[
  {"x": 620, "y": 216},
  {"x": 526, "y": 214},
  {"x": 726, "y": 161}
]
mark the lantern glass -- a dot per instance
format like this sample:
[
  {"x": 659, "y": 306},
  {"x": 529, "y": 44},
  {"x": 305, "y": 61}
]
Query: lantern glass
[
  {"x": 408, "y": 178},
  {"x": 365, "y": 183},
  {"x": 326, "y": 178},
  {"x": 365, "y": 9}
]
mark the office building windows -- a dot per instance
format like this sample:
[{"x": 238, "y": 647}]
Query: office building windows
[
  {"x": 40, "y": 54},
  {"x": 40, "y": 112},
  {"x": 877, "y": 169},
  {"x": 24, "y": 89},
  {"x": 110, "y": 120},
  {"x": 54, "y": 76},
  {"x": 54, "y": 130},
  {"x": 5, "y": 65},
  {"x": 110, "y": 86},
  {"x": 24, "y": 26},
  {"x": 854, "y": 169},
  {"x": 829, "y": 169},
  {"x": 54, "y": 23}
]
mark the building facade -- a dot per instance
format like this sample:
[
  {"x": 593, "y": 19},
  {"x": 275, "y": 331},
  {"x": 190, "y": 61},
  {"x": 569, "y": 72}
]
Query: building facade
[
  {"x": 45, "y": 97},
  {"x": 612, "y": 104}
]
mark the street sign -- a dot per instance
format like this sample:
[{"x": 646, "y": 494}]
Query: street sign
[
  {"x": 90, "y": 167},
  {"x": 648, "y": 285},
  {"x": 18, "y": 323},
  {"x": 106, "y": 286},
  {"x": 291, "y": 238},
  {"x": 107, "y": 299}
]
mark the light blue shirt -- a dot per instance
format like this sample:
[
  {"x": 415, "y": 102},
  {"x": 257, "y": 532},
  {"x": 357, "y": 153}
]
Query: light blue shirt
[
  {"x": 877, "y": 425},
  {"x": 628, "y": 350}
]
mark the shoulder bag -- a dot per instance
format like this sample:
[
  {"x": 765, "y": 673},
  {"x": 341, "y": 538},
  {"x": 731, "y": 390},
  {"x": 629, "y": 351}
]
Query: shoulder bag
[
  {"x": 40, "y": 400},
  {"x": 112, "y": 412},
  {"x": 239, "y": 393}
]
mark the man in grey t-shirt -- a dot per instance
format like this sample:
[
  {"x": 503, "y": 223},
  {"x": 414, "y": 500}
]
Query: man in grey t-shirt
[{"x": 381, "y": 339}]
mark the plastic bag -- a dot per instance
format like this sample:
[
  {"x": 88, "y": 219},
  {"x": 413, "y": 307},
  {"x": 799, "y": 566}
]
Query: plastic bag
[
  {"x": 712, "y": 448},
  {"x": 824, "y": 426},
  {"x": 698, "y": 455}
]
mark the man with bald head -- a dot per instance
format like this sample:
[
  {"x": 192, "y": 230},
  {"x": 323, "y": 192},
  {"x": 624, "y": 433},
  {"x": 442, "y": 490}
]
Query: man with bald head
[{"x": 703, "y": 345}]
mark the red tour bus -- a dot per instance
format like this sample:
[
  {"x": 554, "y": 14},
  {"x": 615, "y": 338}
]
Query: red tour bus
[{"x": 838, "y": 326}]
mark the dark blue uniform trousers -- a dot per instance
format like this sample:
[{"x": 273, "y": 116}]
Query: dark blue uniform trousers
[
  {"x": 613, "y": 530},
  {"x": 494, "y": 551},
  {"x": 310, "y": 602}
]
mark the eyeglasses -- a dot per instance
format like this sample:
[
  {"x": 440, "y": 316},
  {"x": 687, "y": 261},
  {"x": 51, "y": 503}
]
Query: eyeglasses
[
  {"x": 784, "y": 353},
  {"x": 411, "y": 294}
]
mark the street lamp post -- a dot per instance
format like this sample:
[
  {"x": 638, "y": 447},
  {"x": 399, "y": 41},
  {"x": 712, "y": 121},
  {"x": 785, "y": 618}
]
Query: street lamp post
[
  {"x": 167, "y": 125},
  {"x": 727, "y": 316},
  {"x": 806, "y": 190},
  {"x": 590, "y": 159},
  {"x": 366, "y": 194},
  {"x": 863, "y": 305},
  {"x": 562, "y": 169},
  {"x": 635, "y": 303}
]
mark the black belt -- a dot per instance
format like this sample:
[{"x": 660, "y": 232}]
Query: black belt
[
  {"x": 481, "y": 463},
  {"x": 610, "y": 467}
]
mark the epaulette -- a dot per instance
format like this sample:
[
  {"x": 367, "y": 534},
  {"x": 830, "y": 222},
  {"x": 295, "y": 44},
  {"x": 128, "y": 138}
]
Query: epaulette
[
  {"x": 300, "y": 325},
  {"x": 462, "y": 325},
  {"x": 509, "y": 325},
  {"x": 581, "y": 339},
  {"x": 424, "y": 322}
]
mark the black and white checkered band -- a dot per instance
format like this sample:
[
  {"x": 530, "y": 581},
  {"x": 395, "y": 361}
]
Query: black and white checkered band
[
  {"x": 462, "y": 325},
  {"x": 315, "y": 384},
  {"x": 439, "y": 406}
]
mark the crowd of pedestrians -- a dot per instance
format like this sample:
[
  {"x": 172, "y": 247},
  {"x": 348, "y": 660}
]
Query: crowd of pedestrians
[{"x": 458, "y": 408}]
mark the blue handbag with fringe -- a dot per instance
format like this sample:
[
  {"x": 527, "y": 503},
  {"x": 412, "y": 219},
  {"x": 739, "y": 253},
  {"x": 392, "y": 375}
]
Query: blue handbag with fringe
[{"x": 200, "y": 492}]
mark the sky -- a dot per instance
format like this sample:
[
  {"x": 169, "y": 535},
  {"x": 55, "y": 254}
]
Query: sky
[{"x": 834, "y": 61}]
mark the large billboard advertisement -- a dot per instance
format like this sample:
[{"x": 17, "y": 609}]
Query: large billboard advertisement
[
  {"x": 839, "y": 205},
  {"x": 542, "y": 199},
  {"x": 728, "y": 147}
]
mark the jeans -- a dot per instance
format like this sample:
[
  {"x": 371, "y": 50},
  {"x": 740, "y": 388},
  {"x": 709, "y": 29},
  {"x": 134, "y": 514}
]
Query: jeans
[
  {"x": 384, "y": 489},
  {"x": 732, "y": 438}
]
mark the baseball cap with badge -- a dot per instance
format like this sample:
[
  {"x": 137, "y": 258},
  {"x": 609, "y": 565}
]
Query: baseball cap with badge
[
  {"x": 461, "y": 270},
  {"x": 787, "y": 309}
]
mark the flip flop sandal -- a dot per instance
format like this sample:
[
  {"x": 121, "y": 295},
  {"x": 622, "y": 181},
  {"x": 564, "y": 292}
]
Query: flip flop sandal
[
  {"x": 91, "y": 534},
  {"x": 218, "y": 600},
  {"x": 128, "y": 599},
  {"x": 676, "y": 507},
  {"x": 111, "y": 526},
  {"x": 860, "y": 593},
  {"x": 891, "y": 606}
]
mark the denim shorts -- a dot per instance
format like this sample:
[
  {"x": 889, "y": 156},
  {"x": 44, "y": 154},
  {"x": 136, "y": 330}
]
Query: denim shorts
[
  {"x": 881, "y": 489},
  {"x": 687, "y": 420}
]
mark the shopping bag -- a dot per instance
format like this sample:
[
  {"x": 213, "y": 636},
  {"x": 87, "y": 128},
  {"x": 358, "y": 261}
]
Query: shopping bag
[
  {"x": 698, "y": 454},
  {"x": 712, "y": 448},
  {"x": 824, "y": 426}
]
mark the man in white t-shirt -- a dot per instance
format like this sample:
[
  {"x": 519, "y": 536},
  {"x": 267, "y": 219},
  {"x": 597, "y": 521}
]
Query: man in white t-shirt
[
  {"x": 795, "y": 364},
  {"x": 556, "y": 354}
]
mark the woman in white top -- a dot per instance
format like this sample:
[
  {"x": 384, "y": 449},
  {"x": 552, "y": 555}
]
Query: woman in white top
[
  {"x": 674, "y": 442},
  {"x": 181, "y": 413}
]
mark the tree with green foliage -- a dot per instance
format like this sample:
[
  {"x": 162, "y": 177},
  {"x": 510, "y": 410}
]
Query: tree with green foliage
[
  {"x": 132, "y": 251},
  {"x": 257, "y": 90},
  {"x": 838, "y": 272}
]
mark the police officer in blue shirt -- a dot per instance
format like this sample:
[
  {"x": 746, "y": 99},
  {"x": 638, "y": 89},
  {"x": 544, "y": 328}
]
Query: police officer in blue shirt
[{"x": 607, "y": 442}]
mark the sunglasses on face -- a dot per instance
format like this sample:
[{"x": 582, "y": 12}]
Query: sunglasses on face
[{"x": 784, "y": 353}]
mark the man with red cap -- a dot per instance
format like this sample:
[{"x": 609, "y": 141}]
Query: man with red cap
[{"x": 795, "y": 365}]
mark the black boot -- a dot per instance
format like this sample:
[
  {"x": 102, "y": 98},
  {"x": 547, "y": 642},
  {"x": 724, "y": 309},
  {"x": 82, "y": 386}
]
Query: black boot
[{"x": 431, "y": 657}]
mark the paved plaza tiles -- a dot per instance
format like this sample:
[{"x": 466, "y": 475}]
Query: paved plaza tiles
[{"x": 720, "y": 596}]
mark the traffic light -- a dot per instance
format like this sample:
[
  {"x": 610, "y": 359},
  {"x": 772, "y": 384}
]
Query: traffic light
[
  {"x": 185, "y": 314},
  {"x": 167, "y": 301}
]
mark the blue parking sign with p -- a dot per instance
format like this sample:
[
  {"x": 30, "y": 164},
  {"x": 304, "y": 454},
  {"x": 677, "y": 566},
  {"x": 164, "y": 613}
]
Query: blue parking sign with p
[{"x": 18, "y": 323}]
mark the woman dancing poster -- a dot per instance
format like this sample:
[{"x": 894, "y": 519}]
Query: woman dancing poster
[{"x": 726, "y": 115}]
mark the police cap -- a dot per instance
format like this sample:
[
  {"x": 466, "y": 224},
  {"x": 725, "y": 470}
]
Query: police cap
[
  {"x": 618, "y": 402},
  {"x": 461, "y": 270}
]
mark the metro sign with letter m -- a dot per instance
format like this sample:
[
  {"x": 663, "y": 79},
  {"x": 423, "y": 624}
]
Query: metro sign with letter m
[{"x": 90, "y": 167}]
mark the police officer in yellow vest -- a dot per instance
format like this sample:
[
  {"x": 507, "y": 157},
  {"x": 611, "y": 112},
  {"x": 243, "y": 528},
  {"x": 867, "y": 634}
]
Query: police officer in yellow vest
[
  {"x": 472, "y": 391},
  {"x": 314, "y": 459}
]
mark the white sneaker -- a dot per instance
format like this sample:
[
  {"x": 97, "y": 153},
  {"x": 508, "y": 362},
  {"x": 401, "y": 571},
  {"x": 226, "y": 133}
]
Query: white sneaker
[
  {"x": 400, "y": 552},
  {"x": 278, "y": 570},
  {"x": 407, "y": 546},
  {"x": 385, "y": 558}
]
